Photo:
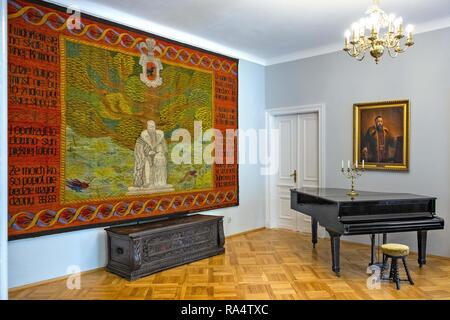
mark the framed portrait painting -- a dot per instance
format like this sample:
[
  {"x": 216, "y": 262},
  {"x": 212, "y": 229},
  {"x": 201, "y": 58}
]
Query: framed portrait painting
[{"x": 381, "y": 135}]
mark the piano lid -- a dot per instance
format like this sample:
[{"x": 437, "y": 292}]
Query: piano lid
[{"x": 340, "y": 195}]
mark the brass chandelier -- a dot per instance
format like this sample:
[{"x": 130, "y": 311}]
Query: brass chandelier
[{"x": 357, "y": 42}]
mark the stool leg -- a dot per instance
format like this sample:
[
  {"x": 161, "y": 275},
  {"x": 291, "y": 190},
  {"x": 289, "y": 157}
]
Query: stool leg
[
  {"x": 391, "y": 272},
  {"x": 396, "y": 278},
  {"x": 407, "y": 271}
]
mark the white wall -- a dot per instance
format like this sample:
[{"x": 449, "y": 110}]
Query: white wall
[
  {"x": 37, "y": 259},
  {"x": 421, "y": 75}
]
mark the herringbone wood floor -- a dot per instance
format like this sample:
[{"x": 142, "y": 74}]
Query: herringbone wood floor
[{"x": 266, "y": 264}]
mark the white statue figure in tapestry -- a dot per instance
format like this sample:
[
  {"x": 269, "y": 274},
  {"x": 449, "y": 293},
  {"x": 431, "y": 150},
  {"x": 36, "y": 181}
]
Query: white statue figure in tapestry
[{"x": 150, "y": 162}]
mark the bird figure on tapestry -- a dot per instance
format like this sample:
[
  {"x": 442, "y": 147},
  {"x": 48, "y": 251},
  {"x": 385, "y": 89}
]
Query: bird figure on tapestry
[
  {"x": 77, "y": 185},
  {"x": 190, "y": 175}
]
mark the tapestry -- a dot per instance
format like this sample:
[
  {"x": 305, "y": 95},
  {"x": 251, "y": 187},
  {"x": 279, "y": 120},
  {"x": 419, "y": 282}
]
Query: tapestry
[{"x": 100, "y": 115}]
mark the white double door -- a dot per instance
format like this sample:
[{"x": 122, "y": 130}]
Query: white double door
[{"x": 298, "y": 152}]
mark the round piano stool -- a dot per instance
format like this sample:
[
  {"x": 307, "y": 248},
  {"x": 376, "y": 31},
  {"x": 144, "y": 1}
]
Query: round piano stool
[{"x": 395, "y": 251}]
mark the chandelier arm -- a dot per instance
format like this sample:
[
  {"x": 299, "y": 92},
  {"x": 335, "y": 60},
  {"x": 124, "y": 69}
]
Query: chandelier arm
[
  {"x": 361, "y": 58},
  {"x": 394, "y": 43},
  {"x": 392, "y": 54},
  {"x": 351, "y": 54},
  {"x": 355, "y": 51},
  {"x": 399, "y": 49},
  {"x": 359, "y": 51},
  {"x": 405, "y": 47}
]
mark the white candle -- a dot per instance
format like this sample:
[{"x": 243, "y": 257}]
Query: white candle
[
  {"x": 342, "y": 165},
  {"x": 356, "y": 164},
  {"x": 355, "y": 31},
  {"x": 363, "y": 164},
  {"x": 348, "y": 164},
  {"x": 409, "y": 30},
  {"x": 399, "y": 25},
  {"x": 362, "y": 27},
  {"x": 347, "y": 38}
]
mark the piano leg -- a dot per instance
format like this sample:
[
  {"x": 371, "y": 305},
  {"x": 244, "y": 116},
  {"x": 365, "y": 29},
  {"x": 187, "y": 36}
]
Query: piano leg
[
  {"x": 335, "y": 251},
  {"x": 384, "y": 257},
  {"x": 314, "y": 231},
  {"x": 372, "y": 249},
  {"x": 422, "y": 244}
]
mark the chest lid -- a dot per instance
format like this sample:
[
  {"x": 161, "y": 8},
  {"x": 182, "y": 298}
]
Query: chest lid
[{"x": 161, "y": 225}]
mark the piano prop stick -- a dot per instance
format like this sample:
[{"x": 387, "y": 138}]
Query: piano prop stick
[{"x": 369, "y": 213}]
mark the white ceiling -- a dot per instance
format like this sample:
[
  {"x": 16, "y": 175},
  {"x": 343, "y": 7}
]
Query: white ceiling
[{"x": 270, "y": 31}]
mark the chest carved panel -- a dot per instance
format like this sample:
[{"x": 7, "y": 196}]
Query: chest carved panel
[{"x": 140, "y": 250}]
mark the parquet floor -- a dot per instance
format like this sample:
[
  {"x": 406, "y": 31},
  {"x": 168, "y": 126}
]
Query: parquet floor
[{"x": 265, "y": 264}]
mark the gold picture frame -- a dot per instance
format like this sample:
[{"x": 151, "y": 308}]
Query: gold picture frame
[{"x": 381, "y": 135}]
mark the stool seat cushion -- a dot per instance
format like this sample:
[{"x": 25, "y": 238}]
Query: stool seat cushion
[{"x": 395, "y": 249}]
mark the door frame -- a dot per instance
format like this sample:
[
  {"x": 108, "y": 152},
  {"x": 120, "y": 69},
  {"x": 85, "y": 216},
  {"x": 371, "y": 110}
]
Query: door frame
[{"x": 318, "y": 108}]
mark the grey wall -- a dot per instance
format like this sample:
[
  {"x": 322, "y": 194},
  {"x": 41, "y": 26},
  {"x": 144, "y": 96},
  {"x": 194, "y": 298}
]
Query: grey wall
[
  {"x": 421, "y": 75},
  {"x": 42, "y": 258}
]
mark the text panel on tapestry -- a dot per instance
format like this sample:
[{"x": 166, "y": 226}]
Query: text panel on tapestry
[{"x": 110, "y": 124}]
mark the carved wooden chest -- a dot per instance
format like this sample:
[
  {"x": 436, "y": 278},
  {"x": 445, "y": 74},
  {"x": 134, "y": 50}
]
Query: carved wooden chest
[{"x": 139, "y": 250}]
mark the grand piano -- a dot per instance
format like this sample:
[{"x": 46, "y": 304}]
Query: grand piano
[{"x": 368, "y": 213}]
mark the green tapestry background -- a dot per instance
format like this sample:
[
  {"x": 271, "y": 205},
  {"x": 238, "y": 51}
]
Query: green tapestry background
[{"x": 107, "y": 107}]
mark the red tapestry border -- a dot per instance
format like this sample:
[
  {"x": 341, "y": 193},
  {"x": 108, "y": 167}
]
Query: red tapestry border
[{"x": 45, "y": 220}]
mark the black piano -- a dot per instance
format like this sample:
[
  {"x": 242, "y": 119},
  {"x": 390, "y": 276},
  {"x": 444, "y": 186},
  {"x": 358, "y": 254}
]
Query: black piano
[{"x": 368, "y": 213}]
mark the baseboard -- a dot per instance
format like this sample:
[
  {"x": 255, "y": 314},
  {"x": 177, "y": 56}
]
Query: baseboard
[
  {"x": 244, "y": 232},
  {"x": 39, "y": 283}
]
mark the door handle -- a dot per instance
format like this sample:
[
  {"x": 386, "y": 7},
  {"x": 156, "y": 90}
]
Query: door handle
[{"x": 294, "y": 175}]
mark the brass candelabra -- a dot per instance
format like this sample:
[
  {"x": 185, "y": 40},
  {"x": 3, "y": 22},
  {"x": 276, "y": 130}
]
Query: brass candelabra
[{"x": 352, "y": 172}]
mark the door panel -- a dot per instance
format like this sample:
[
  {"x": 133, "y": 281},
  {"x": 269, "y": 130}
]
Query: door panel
[
  {"x": 309, "y": 148},
  {"x": 287, "y": 148},
  {"x": 286, "y": 217},
  {"x": 308, "y": 154}
]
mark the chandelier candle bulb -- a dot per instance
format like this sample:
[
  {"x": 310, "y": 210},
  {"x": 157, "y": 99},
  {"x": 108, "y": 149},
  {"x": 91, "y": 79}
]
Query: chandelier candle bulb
[
  {"x": 355, "y": 32},
  {"x": 347, "y": 39},
  {"x": 362, "y": 27},
  {"x": 391, "y": 23},
  {"x": 409, "y": 31},
  {"x": 399, "y": 26},
  {"x": 374, "y": 29}
]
